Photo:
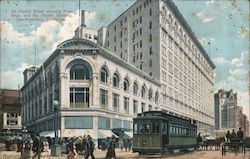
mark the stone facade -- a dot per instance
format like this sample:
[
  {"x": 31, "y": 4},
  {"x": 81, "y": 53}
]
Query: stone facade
[
  {"x": 153, "y": 36},
  {"x": 113, "y": 92}
]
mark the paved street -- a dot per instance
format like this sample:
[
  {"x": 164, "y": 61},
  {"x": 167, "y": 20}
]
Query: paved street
[{"x": 129, "y": 155}]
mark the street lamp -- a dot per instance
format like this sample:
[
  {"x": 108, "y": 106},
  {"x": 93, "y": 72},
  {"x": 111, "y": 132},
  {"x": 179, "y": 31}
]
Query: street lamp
[
  {"x": 56, "y": 149},
  {"x": 56, "y": 104},
  {"x": 24, "y": 133}
]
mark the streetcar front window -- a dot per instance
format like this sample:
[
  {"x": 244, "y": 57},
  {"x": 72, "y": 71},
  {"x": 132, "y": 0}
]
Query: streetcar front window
[
  {"x": 135, "y": 128},
  {"x": 144, "y": 128}
]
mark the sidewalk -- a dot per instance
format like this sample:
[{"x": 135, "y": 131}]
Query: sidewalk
[{"x": 99, "y": 154}]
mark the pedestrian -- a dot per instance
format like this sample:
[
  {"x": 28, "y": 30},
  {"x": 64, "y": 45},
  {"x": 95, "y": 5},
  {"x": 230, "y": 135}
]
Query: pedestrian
[
  {"x": 129, "y": 144},
  {"x": 199, "y": 138},
  {"x": 228, "y": 136},
  {"x": 37, "y": 146},
  {"x": 126, "y": 144},
  {"x": 111, "y": 148},
  {"x": 232, "y": 135},
  {"x": 240, "y": 134},
  {"x": 89, "y": 147}
]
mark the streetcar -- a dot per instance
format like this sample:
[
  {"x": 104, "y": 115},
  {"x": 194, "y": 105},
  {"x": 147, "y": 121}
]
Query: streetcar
[{"x": 159, "y": 132}]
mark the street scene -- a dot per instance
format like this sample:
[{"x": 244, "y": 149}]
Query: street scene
[{"x": 124, "y": 79}]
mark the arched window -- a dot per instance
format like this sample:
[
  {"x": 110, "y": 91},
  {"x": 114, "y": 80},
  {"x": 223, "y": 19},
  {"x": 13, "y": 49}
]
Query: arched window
[
  {"x": 135, "y": 88},
  {"x": 150, "y": 94},
  {"x": 116, "y": 80},
  {"x": 126, "y": 84},
  {"x": 156, "y": 96},
  {"x": 104, "y": 75},
  {"x": 143, "y": 92},
  {"x": 80, "y": 72}
]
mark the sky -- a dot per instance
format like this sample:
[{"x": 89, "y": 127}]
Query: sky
[{"x": 31, "y": 30}]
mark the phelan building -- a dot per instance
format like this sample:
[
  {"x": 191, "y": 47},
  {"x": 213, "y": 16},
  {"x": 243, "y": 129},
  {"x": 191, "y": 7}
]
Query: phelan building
[{"x": 146, "y": 59}]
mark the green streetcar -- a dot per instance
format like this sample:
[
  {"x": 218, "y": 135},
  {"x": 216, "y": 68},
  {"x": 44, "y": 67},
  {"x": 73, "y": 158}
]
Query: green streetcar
[{"x": 159, "y": 132}]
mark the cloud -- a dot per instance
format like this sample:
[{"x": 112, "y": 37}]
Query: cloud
[
  {"x": 16, "y": 79},
  {"x": 206, "y": 40},
  {"x": 204, "y": 17},
  {"x": 19, "y": 48},
  {"x": 240, "y": 62},
  {"x": 210, "y": 2},
  {"x": 220, "y": 61}
]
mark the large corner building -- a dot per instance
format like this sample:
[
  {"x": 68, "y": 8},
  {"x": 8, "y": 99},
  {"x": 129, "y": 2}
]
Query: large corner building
[{"x": 146, "y": 59}]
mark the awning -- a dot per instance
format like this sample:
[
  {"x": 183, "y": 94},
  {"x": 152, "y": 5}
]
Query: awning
[
  {"x": 105, "y": 134},
  {"x": 47, "y": 134},
  {"x": 128, "y": 134}
]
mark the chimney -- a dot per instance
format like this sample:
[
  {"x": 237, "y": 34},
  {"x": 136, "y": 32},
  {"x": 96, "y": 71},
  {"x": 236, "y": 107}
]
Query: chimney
[{"x": 83, "y": 18}]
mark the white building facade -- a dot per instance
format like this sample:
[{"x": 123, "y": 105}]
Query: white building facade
[
  {"x": 153, "y": 36},
  {"x": 96, "y": 90}
]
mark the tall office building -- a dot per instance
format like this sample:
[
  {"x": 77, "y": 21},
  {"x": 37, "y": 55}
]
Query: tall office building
[
  {"x": 226, "y": 110},
  {"x": 153, "y": 36}
]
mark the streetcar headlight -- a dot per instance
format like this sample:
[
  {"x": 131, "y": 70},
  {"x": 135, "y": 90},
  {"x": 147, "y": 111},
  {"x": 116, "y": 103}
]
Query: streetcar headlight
[{"x": 143, "y": 142}]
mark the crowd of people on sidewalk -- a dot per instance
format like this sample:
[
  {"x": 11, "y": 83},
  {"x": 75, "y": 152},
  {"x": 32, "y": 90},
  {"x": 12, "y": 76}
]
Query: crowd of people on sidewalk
[{"x": 33, "y": 146}]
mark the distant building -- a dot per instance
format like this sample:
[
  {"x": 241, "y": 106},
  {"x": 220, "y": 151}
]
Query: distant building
[
  {"x": 228, "y": 115},
  {"x": 10, "y": 109},
  {"x": 225, "y": 109},
  {"x": 245, "y": 126},
  {"x": 242, "y": 121}
]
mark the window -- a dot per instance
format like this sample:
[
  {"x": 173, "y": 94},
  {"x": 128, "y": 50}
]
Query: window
[
  {"x": 79, "y": 97},
  {"x": 126, "y": 105},
  {"x": 140, "y": 43},
  {"x": 150, "y": 38},
  {"x": 150, "y": 25},
  {"x": 103, "y": 123},
  {"x": 78, "y": 122},
  {"x": 126, "y": 85},
  {"x": 115, "y": 28},
  {"x": 116, "y": 123},
  {"x": 144, "y": 128},
  {"x": 135, "y": 88},
  {"x": 150, "y": 50},
  {"x": 150, "y": 12},
  {"x": 143, "y": 92},
  {"x": 140, "y": 19},
  {"x": 116, "y": 101},
  {"x": 104, "y": 75},
  {"x": 104, "y": 98},
  {"x": 135, "y": 106},
  {"x": 155, "y": 127},
  {"x": 121, "y": 34},
  {"x": 135, "y": 128},
  {"x": 80, "y": 72},
  {"x": 116, "y": 80},
  {"x": 142, "y": 107},
  {"x": 150, "y": 94},
  {"x": 156, "y": 96},
  {"x": 150, "y": 63},
  {"x": 140, "y": 31}
]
